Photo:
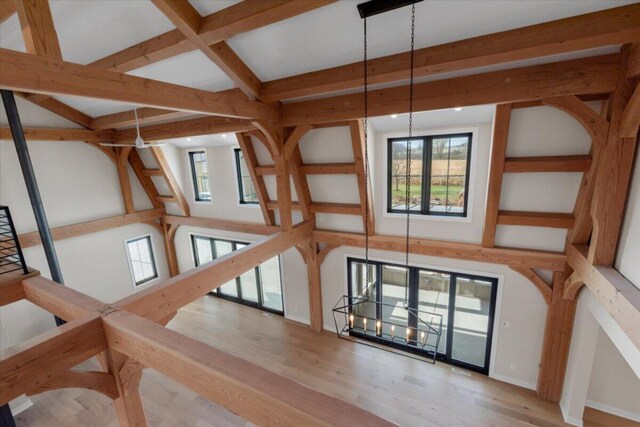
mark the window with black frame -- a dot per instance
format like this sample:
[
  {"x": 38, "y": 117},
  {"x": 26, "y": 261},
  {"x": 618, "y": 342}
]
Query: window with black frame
[
  {"x": 439, "y": 175},
  {"x": 247, "y": 191},
  {"x": 464, "y": 303},
  {"x": 141, "y": 260},
  {"x": 200, "y": 176},
  {"x": 260, "y": 287}
]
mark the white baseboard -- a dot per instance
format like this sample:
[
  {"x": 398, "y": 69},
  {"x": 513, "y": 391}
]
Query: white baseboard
[
  {"x": 509, "y": 380},
  {"x": 614, "y": 411},
  {"x": 20, "y": 404},
  {"x": 297, "y": 319}
]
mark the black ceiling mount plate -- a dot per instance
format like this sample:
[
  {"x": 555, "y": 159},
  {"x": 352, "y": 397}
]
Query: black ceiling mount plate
[{"x": 375, "y": 7}]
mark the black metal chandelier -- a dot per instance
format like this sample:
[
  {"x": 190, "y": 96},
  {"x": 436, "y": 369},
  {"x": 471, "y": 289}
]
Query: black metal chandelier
[{"x": 351, "y": 314}]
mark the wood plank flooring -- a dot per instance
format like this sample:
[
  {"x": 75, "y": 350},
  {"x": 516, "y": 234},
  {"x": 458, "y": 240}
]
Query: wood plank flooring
[{"x": 403, "y": 390}]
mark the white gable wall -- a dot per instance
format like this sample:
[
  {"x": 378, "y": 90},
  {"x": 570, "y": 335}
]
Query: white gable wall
[
  {"x": 78, "y": 183},
  {"x": 517, "y": 349}
]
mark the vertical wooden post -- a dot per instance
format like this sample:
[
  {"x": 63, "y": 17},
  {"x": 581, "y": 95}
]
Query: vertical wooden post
[
  {"x": 557, "y": 340},
  {"x": 283, "y": 183},
  {"x": 613, "y": 175},
  {"x": 123, "y": 177},
  {"x": 128, "y": 405},
  {"x": 315, "y": 290},
  {"x": 501, "y": 122},
  {"x": 309, "y": 251},
  {"x": 170, "y": 248}
]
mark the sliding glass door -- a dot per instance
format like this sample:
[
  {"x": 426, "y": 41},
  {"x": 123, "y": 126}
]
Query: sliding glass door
[
  {"x": 472, "y": 321},
  {"x": 464, "y": 303},
  {"x": 260, "y": 287}
]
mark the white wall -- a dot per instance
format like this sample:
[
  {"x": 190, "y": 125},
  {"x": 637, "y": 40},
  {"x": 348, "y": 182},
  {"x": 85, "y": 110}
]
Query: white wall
[
  {"x": 455, "y": 229},
  {"x": 517, "y": 348},
  {"x": 96, "y": 264},
  {"x": 292, "y": 268},
  {"x": 518, "y": 303},
  {"x": 629, "y": 246},
  {"x": 77, "y": 183},
  {"x": 603, "y": 370},
  {"x": 613, "y": 387}
]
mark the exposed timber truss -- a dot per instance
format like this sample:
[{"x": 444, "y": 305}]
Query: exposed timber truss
[{"x": 128, "y": 335}]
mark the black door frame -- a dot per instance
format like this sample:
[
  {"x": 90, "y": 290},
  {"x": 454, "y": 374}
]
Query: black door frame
[
  {"x": 239, "y": 298},
  {"x": 413, "y": 297}
]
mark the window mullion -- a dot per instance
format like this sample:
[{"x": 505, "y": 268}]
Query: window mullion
[{"x": 426, "y": 175}]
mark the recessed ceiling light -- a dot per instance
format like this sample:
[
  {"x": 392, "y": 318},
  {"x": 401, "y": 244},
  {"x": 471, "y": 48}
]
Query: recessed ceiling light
[
  {"x": 224, "y": 135},
  {"x": 393, "y": 116},
  {"x": 458, "y": 109},
  {"x": 188, "y": 139}
]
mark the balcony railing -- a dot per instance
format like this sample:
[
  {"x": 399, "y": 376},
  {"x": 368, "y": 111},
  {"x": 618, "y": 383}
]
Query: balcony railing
[{"x": 11, "y": 258}]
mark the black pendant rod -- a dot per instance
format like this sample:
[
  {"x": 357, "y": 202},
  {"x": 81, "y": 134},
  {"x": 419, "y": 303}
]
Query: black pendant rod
[
  {"x": 32, "y": 188},
  {"x": 376, "y": 7}
]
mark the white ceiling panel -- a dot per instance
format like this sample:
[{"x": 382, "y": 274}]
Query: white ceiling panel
[
  {"x": 332, "y": 35},
  {"x": 191, "y": 69},
  {"x": 207, "y": 7},
  {"x": 90, "y": 30},
  {"x": 436, "y": 118},
  {"x": 94, "y": 107}
]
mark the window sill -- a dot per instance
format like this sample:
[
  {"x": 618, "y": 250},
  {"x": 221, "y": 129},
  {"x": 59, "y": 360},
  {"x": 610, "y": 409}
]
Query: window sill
[
  {"x": 419, "y": 217},
  {"x": 145, "y": 284},
  {"x": 248, "y": 205},
  {"x": 203, "y": 202}
]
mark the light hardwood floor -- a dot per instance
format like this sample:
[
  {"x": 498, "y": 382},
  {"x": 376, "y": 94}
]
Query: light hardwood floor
[{"x": 403, "y": 390}]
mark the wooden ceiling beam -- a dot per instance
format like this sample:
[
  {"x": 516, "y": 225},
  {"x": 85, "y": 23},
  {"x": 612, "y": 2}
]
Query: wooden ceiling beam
[
  {"x": 633, "y": 65},
  {"x": 587, "y": 75},
  {"x": 630, "y": 120},
  {"x": 59, "y": 134},
  {"x": 245, "y": 16},
  {"x": 187, "y": 19},
  {"x": 337, "y": 208},
  {"x": 328, "y": 168},
  {"x": 185, "y": 128},
  {"x": 67, "y": 231},
  {"x": 170, "y": 179},
  {"x": 250, "y": 158},
  {"x": 542, "y": 286},
  {"x": 38, "y": 31},
  {"x": 40, "y": 38},
  {"x": 547, "y": 164},
  {"x": 322, "y": 207},
  {"x": 315, "y": 169},
  {"x": 613, "y": 175},
  {"x": 593, "y": 123},
  {"x": 57, "y": 107},
  {"x": 543, "y": 260},
  {"x": 501, "y": 124},
  {"x": 222, "y": 224},
  {"x": 7, "y": 9},
  {"x": 64, "y": 302},
  {"x": 101, "y": 382},
  {"x": 619, "y": 296},
  {"x": 254, "y": 393},
  {"x": 536, "y": 219},
  {"x": 362, "y": 172},
  {"x": 28, "y": 73},
  {"x": 598, "y": 29}
]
